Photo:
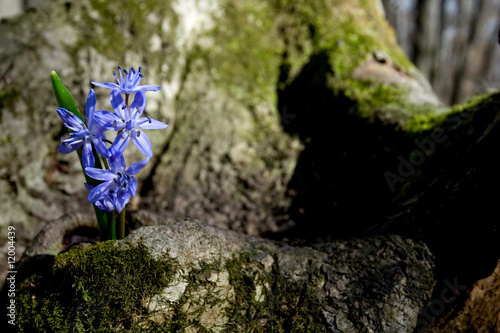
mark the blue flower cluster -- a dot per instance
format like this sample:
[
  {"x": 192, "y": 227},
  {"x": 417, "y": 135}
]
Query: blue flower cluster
[{"x": 118, "y": 183}]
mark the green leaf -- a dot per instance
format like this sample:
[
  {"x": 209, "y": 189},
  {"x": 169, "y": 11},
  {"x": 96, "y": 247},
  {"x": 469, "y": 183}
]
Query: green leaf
[{"x": 63, "y": 96}]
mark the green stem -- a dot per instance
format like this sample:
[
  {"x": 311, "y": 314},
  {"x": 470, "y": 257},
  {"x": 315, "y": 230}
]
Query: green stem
[
  {"x": 105, "y": 163},
  {"x": 112, "y": 225},
  {"x": 106, "y": 221},
  {"x": 120, "y": 229}
]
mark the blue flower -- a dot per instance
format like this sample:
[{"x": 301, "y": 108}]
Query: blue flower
[
  {"x": 118, "y": 183},
  {"x": 129, "y": 84},
  {"x": 107, "y": 203},
  {"x": 83, "y": 135},
  {"x": 128, "y": 122}
]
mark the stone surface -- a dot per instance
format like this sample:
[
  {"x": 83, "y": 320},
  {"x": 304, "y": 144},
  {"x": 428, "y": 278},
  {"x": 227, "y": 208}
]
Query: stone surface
[{"x": 216, "y": 279}]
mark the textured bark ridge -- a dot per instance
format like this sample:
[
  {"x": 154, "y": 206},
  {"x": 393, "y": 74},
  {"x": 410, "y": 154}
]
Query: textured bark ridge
[{"x": 205, "y": 278}]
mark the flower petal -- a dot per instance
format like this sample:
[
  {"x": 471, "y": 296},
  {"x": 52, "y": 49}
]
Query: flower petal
[
  {"x": 136, "y": 78},
  {"x": 141, "y": 141},
  {"x": 107, "y": 120},
  {"x": 87, "y": 155},
  {"x": 150, "y": 123},
  {"x": 90, "y": 107},
  {"x": 100, "y": 174},
  {"x": 129, "y": 79},
  {"x": 145, "y": 88},
  {"x": 121, "y": 201},
  {"x": 120, "y": 80},
  {"x": 70, "y": 144},
  {"x": 64, "y": 149},
  {"x": 118, "y": 104},
  {"x": 116, "y": 161},
  {"x": 88, "y": 186},
  {"x": 132, "y": 186},
  {"x": 107, "y": 85},
  {"x": 137, "y": 106},
  {"x": 137, "y": 166},
  {"x": 70, "y": 120},
  {"x": 107, "y": 203},
  {"x": 100, "y": 147},
  {"x": 101, "y": 191},
  {"x": 120, "y": 143}
]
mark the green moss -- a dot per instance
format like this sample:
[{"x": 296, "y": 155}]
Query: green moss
[
  {"x": 124, "y": 23},
  {"x": 369, "y": 96},
  {"x": 423, "y": 122},
  {"x": 473, "y": 102},
  {"x": 425, "y": 119},
  {"x": 255, "y": 50},
  {"x": 98, "y": 288},
  {"x": 348, "y": 37},
  {"x": 278, "y": 306},
  {"x": 244, "y": 58},
  {"x": 348, "y": 33}
]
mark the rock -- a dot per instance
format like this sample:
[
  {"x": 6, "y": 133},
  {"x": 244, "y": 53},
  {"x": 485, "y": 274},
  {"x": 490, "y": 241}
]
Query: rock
[
  {"x": 195, "y": 277},
  {"x": 57, "y": 235},
  {"x": 480, "y": 312}
]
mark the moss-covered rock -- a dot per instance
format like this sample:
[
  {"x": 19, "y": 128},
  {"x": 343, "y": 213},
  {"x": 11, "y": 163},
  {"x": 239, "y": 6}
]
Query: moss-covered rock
[
  {"x": 95, "y": 288},
  {"x": 190, "y": 277}
]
